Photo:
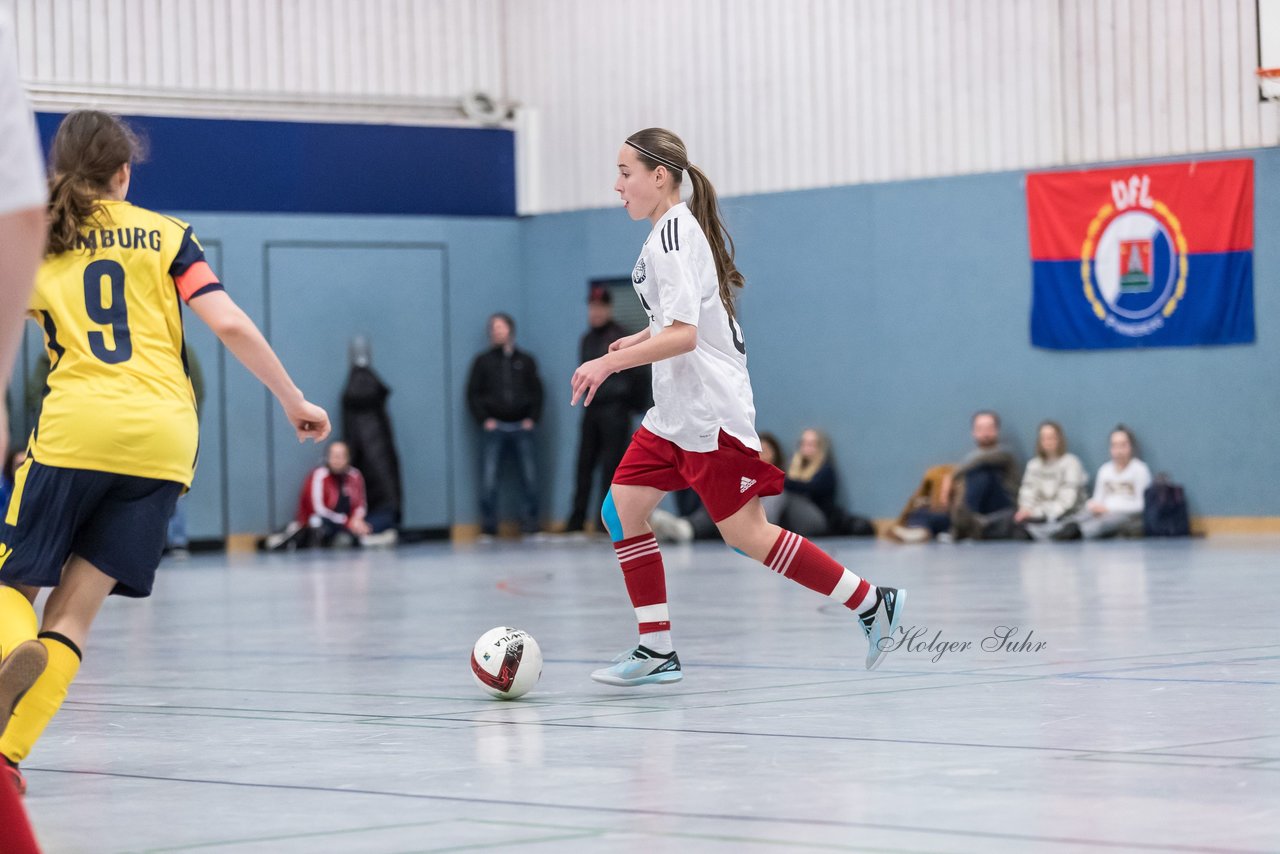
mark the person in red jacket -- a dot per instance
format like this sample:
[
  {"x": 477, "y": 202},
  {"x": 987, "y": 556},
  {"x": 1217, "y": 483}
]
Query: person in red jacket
[{"x": 332, "y": 501}]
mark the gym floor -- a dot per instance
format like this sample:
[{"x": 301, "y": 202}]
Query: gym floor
[{"x": 323, "y": 702}]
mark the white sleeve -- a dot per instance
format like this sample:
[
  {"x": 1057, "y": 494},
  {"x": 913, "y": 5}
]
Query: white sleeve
[
  {"x": 22, "y": 180},
  {"x": 679, "y": 297},
  {"x": 1098, "y": 494},
  {"x": 317, "y": 498}
]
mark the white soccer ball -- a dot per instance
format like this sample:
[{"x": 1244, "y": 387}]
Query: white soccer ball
[{"x": 506, "y": 662}]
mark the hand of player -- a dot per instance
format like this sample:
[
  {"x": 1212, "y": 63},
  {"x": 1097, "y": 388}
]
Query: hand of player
[
  {"x": 589, "y": 377},
  {"x": 527, "y": 424},
  {"x": 359, "y": 527},
  {"x": 309, "y": 421},
  {"x": 490, "y": 424}
]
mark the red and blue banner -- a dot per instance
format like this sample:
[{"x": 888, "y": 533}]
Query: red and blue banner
[{"x": 1142, "y": 256}]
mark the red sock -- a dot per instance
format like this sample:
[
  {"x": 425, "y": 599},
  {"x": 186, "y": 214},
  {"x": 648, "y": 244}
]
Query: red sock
[
  {"x": 646, "y": 581},
  {"x": 800, "y": 560},
  {"x": 15, "y": 832}
]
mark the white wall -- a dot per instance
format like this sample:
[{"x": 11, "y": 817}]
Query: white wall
[
  {"x": 769, "y": 94},
  {"x": 366, "y": 60},
  {"x": 784, "y": 94}
]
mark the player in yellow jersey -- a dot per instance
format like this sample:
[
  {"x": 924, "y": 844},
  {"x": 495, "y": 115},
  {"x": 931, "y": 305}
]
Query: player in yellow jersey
[{"x": 115, "y": 441}]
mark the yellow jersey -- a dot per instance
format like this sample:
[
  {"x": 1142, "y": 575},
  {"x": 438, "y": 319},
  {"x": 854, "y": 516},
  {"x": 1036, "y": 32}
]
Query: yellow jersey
[{"x": 118, "y": 397}]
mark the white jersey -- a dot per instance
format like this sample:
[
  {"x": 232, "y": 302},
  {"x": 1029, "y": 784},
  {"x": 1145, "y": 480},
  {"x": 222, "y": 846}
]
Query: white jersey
[
  {"x": 699, "y": 393},
  {"x": 22, "y": 183}
]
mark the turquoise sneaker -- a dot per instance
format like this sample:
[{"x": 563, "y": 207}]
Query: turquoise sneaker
[
  {"x": 641, "y": 666},
  {"x": 881, "y": 622}
]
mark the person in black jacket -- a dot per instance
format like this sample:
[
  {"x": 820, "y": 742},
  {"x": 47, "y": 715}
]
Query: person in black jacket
[
  {"x": 811, "y": 482},
  {"x": 606, "y": 423},
  {"x": 504, "y": 394}
]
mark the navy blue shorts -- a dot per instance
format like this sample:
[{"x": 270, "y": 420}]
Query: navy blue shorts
[{"x": 117, "y": 522}]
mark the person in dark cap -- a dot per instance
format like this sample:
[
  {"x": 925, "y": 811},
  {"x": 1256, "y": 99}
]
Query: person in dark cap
[{"x": 606, "y": 423}]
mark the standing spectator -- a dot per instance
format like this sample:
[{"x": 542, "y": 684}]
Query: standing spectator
[
  {"x": 606, "y": 423},
  {"x": 332, "y": 505},
  {"x": 505, "y": 397},
  {"x": 1118, "y": 495}
]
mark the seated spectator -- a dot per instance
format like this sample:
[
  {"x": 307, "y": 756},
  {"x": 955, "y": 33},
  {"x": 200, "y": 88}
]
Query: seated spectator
[
  {"x": 1116, "y": 505},
  {"x": 988, "y": 479},
  {"x": 1053, "y": 487},
  {"x": 332, "y": 501},
  {"x": 925, "y": 510},
  {"x": 331, "y": 506},
  {"x": 810, "y": 487}
]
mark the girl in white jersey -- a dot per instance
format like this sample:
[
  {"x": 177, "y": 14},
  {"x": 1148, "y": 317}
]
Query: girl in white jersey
[{"x": 700, "y": 432}]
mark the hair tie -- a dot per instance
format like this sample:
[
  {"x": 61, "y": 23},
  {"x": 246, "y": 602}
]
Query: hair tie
[{"x": 664, "y": 161}]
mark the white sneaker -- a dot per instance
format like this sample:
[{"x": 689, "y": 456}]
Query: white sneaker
[
  {"x": 910, "y": 535},
  {"x": 641, "y": 666},
  {"x": 670, "y": 527},
  {"x": 382, "y": 539},
  {"x": 281, "y": 539}
]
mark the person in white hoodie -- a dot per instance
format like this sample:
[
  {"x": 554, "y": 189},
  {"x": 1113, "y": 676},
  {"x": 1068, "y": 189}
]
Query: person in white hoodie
[{"x": 1118, "y": 495}]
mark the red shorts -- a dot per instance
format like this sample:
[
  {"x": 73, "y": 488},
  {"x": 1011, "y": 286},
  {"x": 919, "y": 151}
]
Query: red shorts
[{"x": 725, "y": 479}]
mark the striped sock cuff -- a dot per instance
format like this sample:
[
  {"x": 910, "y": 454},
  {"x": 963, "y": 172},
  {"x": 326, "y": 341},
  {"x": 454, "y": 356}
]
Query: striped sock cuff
[
  {"x": 635, "y": 548},
  {"x": 784, "y": 553}
]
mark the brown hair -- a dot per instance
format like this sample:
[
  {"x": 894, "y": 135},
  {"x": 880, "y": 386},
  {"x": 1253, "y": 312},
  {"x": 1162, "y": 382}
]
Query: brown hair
[
  {"x": 88, "y": 150},
  {"x": 1133, "y": 443},
  {"x": 660, "y": 147},
  {"x": 1062, "y": 439},
  {"x": 774, "y": 445}
]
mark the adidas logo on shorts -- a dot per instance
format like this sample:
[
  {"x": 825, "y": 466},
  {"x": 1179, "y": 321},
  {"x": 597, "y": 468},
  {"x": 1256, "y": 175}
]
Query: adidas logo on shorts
[{"x": 747, "y": 483}]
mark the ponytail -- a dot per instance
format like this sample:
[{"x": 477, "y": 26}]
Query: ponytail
[
  {"x": 706, "y": 210},
  {"x": 88, "y": 150},
  {"x": 72, "y": 203},
  {"x": 660, "y": 147}
]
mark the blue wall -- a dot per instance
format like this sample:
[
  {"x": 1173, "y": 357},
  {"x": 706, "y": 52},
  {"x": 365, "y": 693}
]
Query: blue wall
[
  {"x": 886, "y": 314},
  {"x": 250, "y": 467}
]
